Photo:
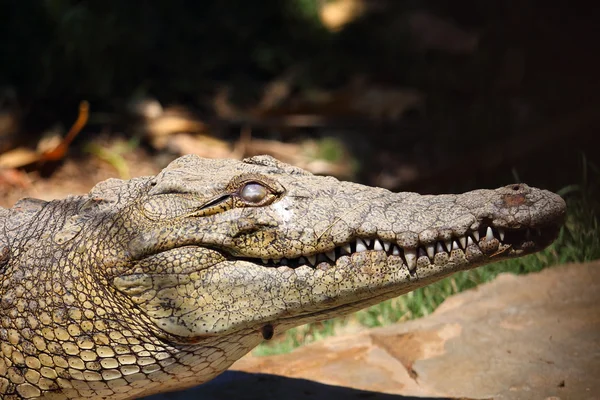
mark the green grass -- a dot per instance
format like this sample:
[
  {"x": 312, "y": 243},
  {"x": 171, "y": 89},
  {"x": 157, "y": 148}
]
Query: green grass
[{"x": 578, "y": 241}]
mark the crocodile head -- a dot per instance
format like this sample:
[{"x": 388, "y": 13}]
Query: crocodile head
[{"x": 219, "y": 246}]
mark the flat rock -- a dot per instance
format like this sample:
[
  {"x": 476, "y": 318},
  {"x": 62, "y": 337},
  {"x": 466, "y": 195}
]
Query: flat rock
[{"x": 535, "y": 336}]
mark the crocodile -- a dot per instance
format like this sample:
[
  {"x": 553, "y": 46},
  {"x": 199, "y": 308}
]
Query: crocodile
[{"x": 160, "y": 283}]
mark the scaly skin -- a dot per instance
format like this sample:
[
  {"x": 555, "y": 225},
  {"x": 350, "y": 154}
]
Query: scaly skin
[{"x": 158, "y": 283}]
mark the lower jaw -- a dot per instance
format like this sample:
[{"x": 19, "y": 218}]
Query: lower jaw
[
  {"x": 377, "y": 267},
  {"x": 371, "y": 277},
  {"x": 374, "y": 267}
]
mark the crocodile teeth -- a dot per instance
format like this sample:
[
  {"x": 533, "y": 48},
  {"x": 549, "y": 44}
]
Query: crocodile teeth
[
  {"x": 439, "y": 248},
  {"x": 411, "y": 258},
  {"x": 377, "y": 246},
  {"x": 347, "y": 249},
  {"x": 360, "y": 246},
  {"x": 448, "y": 244},
  {"x": 430, "y": 250}
]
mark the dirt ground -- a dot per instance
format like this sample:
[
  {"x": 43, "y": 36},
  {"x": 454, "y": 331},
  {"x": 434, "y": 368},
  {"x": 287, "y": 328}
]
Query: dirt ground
[{"x": 74, "y": 176}]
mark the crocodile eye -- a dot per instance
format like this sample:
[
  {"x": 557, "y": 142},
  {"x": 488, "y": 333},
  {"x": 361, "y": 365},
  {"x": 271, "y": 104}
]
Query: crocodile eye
[{"x": 253, "y": 192}]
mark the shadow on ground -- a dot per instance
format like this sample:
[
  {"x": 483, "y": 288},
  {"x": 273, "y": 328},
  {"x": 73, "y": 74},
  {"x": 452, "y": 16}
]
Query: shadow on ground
[{"x": 246, "y": 386}]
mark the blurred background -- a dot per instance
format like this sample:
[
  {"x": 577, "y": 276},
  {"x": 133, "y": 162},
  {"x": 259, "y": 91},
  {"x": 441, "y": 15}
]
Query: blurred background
[{"x": 421, "y": 95}]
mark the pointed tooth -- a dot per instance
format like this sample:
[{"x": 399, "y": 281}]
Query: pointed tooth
[
  {"x": 455, "y": 245},
  {"x": 528, "y": 234},
  {"x": 276, "y": 260},
  {"x": 395, "y": 250},
  {"x": 439, "y": 248},
  {"x": 377, "y": 246},
  {"x": 489, "y": 235},
  {"x": 347, "y": 248},
  {"x": 430, "y": 250},
  {"x": 463, "y": 242},
  {"x": 265, "y": 260},
  {"x": 411, "y": 258},
  {"x": 312, "y": 260},
  {"x": 386, "y": 246},
  {"x": 302, "y": 260},
  {"x": 331, "y": 255},
  {"x": 448, "y": 244},
  {"x": 284, "y": 261},
  {"x": 470, "y": 241},
  {"x": 501, "y": 234},
  {"x": 360, "y": 246},
  {"x": 476, "y": 235},
  {"x": 367, "y": 242}
]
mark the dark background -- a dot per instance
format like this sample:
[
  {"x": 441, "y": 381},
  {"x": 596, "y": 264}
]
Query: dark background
[{"x": 508, "y": 90}]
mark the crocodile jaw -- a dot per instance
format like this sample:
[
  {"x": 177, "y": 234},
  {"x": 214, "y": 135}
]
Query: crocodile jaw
[
  {"x": 234, "y": 295},
  {"x": 323, "y": 248}
]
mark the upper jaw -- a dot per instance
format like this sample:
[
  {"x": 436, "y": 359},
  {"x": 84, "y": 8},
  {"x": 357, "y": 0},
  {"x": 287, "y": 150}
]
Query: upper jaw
[
  {"x": 461, "y": 229},
  {"x": 434, "y": 230}
]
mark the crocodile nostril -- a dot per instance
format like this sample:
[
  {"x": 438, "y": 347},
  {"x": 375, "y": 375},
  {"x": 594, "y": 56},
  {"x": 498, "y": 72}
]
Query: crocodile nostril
[{"x": 516, "y": 187}]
